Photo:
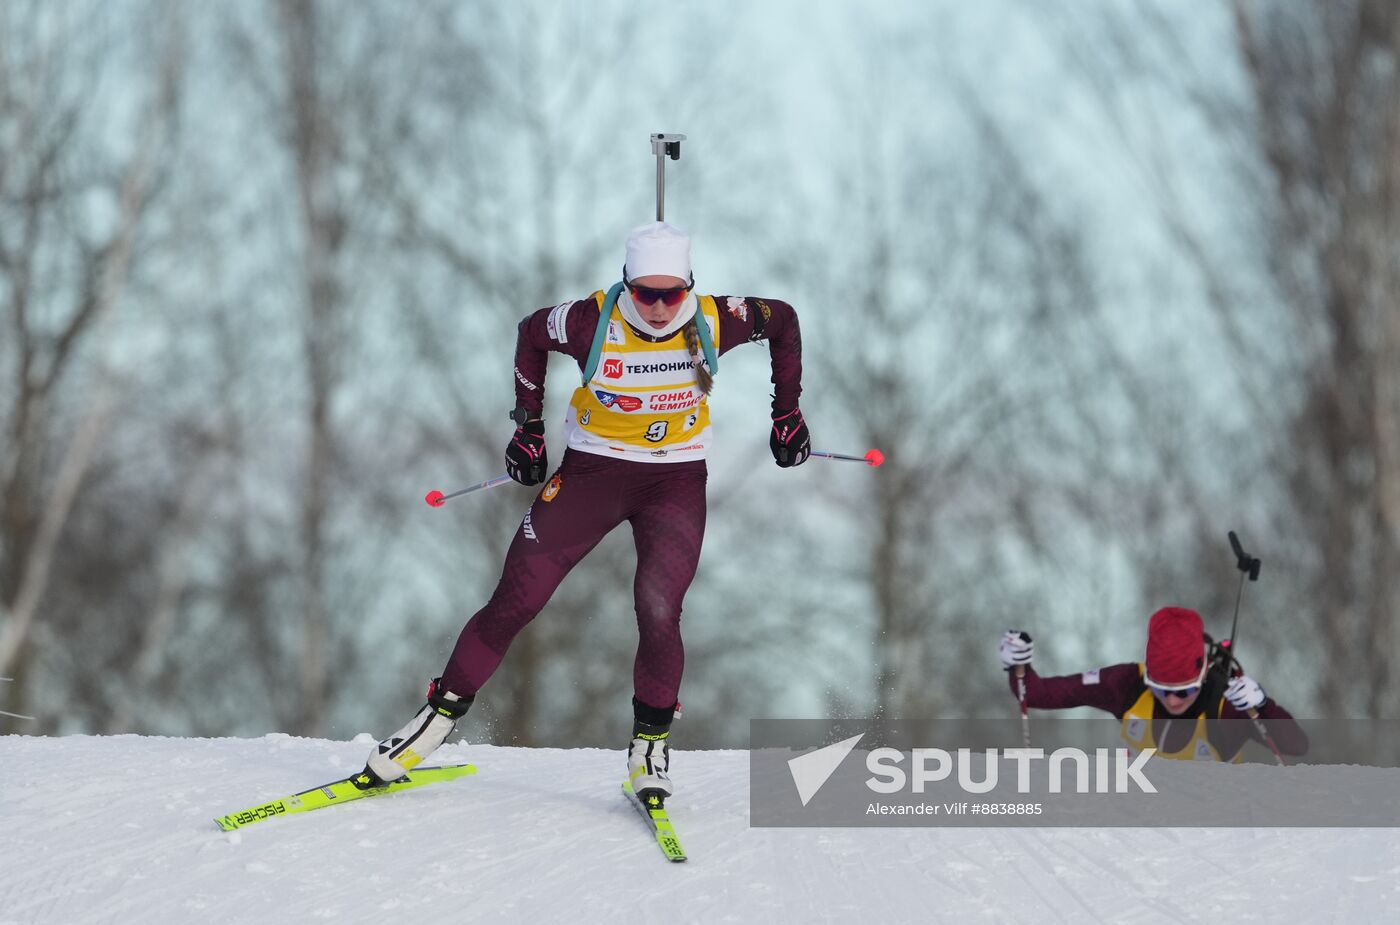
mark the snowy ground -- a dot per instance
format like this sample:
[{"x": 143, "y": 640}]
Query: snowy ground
[{"x": 119, "y": 829}]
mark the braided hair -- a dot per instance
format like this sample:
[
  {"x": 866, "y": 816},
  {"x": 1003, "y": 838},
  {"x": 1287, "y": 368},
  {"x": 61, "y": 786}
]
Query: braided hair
[{"x": 692, "y": 343}]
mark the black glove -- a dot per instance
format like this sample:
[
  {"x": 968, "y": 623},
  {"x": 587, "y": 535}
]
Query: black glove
[
  {"x": 789, "y": 441},
  {"x": 526, "y": 461}
]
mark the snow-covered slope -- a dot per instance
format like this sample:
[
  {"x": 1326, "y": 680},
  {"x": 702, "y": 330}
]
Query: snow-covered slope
[{"x": 119, "y": 829}]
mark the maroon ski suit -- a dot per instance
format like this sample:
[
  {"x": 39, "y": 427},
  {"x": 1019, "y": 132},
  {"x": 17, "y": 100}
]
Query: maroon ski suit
[
  {"x": 664, "y": 502},
  {"x": 1116, "y": 688}
]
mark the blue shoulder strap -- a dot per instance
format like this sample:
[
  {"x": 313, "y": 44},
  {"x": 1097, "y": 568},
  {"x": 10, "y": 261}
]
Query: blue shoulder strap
[
  {"x": 601, "y": 334},
  {"x": 707, "y": 345}
]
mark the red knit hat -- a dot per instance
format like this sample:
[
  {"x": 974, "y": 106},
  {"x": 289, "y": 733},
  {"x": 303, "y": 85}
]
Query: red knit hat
[{"x": 1176, "y": 647}]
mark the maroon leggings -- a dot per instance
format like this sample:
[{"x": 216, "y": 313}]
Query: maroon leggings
[{"x": 665, "y": 503}]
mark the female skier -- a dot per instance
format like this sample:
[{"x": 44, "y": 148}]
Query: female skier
[
  {"x": 1171, "y": 701},
  {"x": 637, "y": 432}
]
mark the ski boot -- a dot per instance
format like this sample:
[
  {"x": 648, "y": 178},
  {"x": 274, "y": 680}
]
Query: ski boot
[
  {"x": 649, "y": 756},
  {"x": 405, "y": 750}
]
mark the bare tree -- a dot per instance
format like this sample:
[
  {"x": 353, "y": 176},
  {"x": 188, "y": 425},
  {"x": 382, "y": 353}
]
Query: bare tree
[
  {"x": 1307, "y": 139},
  {"x": 997, "y": 445},
  {"x": 324, "y": 111},
  {"x": 64, "y": 275}
]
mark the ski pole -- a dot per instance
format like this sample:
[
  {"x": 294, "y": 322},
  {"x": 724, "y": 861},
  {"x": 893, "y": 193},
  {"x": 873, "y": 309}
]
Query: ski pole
[
  {"x": 436, "y": 498},
  {"x": 1025, "y": 714},
  {"x": 663, "y": 146},
  {"x": 8, "y": 713},
  {"x": 871, "y": 457},
  {"x": 1248, "y": 565}
]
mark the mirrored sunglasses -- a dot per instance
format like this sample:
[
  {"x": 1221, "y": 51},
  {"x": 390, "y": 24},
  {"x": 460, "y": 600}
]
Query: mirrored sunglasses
[
  {"x": 669, "y": 297},
  {"x": 1175, "y": 691}
]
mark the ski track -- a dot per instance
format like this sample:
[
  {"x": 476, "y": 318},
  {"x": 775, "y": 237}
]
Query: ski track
[{"x": 120, "y": 829}]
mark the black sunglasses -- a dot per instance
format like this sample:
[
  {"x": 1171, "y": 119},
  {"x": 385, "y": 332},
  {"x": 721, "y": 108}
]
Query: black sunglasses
[{"x": 670, "y": 297}]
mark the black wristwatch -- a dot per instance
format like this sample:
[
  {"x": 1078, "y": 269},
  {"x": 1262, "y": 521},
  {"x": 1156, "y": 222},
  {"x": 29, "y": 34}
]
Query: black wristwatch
[{"x": 519, "y": 415}]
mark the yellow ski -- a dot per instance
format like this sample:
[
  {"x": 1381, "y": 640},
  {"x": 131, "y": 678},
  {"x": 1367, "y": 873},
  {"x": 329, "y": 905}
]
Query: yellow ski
[
  {"x": 655, "y": 814},
  {"x": 340, "y": 791}
]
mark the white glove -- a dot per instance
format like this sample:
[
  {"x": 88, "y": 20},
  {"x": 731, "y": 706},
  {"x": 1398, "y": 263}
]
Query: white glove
[
  {"x": 1015, "y": 649},
  {"x": 1244, "y": 693}
]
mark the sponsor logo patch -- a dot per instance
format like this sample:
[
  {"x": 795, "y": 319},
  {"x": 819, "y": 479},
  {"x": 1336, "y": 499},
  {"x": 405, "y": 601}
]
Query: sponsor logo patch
[
  {"x": 622, "y": 402},
  {"x": 738, "y": 308},
  {"x": 552, "y": 488},
  {"x": 766, "y": 312},
  {"x": 528, "y": 528},
  {"x": 615, "y": 333},
  {"x": 612, "y": 368},
  {"x": 674, "y": 366},
  {"x": 557, "y": 323},
  {"x": 1090, "y": 677},
  {"x": 523, "y": 381}
]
